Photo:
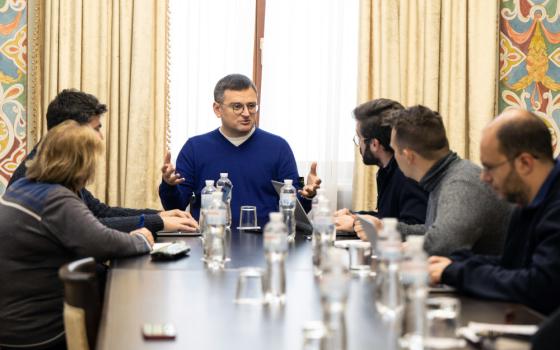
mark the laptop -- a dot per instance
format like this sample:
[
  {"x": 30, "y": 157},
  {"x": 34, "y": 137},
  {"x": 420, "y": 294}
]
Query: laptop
[
  {"x": 177, "y": 234},
  {"x": 303, "y": 223},
  {"x": 369, "y": 229}
]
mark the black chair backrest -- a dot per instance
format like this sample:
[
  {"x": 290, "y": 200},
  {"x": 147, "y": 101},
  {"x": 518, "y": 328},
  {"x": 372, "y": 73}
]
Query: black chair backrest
[{"x": 81, "y": 290}]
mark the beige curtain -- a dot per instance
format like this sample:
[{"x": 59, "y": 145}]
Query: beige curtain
[
  {"x": 117, "y": 51},
  {"x": 439, "y": 53}
]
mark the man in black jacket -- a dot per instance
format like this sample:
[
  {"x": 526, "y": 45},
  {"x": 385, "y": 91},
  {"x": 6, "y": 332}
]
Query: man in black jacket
[
  {"x": 516, "y": 154},
  {"x": 86, "y": 109},
  {"x": 397, "y": 196}
]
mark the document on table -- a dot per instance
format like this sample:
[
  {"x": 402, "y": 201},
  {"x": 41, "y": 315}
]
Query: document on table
[
  {"x": 514, "y": 329},
  {"x": 161, "y": 245}
]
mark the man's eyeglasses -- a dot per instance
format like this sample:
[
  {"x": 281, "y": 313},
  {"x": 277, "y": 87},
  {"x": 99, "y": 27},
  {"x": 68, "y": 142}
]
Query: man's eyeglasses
[
  {"x": 238, "y": 108},
  {"x": 490, "y": 168},
  {"x": 356, "y": 140}
]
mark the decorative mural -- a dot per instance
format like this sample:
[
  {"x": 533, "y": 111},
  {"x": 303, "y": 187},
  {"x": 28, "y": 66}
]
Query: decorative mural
[
  {"x": 530, "y": 59},
  {"x": 13, "y": 86}
]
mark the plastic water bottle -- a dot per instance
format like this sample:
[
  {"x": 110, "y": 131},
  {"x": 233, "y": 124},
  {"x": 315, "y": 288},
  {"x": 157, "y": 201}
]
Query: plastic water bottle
[
  {"x": 414, "y": 277},
  {"x": 225, "y": 183},
  {"x": 321, "y": 193},
  {"x": 275, "y": 250},
  {"x": 287, "y": 206},
  {"x": 214, "y": 241},
  {"x": 324, "y": 234},
  {"x": 389, "y": 299},
  {"x": 334, "y": 287},
  {"x": 205, "y": 200}
]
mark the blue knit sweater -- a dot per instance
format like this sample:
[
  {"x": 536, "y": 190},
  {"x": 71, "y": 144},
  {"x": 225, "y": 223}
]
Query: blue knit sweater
[{"x": 251, "y": 166}]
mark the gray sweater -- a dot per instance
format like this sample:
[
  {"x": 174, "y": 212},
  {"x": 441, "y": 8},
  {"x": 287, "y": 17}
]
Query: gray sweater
[
  {"x": 45, "y": 226},
  {"x": 463, "y": 212}
]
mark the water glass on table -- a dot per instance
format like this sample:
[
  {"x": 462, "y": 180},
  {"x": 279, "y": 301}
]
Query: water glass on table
[
  {"x": 248, "y": 218},
  {"x": 315, "y": 336},
  {"x": 443, "y": 316},
  {"x": 360, "y": 257},
  {"x": 250, "y": 286}
]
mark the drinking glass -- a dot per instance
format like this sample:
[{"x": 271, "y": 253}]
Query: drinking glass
[
  {"x": 315, "y": 335},
  {"x": 250, "y": 286},
  {"x": 443, "y": 316},
  {"x": 248, "y": 217},
  {"x": 360, "y": 257}
]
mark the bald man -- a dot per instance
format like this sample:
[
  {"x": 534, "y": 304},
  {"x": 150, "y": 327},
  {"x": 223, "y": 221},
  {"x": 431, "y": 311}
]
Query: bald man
[{"x": 516, "y": 154}]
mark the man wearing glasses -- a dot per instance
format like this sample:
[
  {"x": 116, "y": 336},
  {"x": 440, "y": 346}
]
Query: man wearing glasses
[
  {"x": 462, "y": 212},
  {"x": 252, "y": 157},
  {"x": 516, "y": 152},
  {"x": 397, "y": 196}
]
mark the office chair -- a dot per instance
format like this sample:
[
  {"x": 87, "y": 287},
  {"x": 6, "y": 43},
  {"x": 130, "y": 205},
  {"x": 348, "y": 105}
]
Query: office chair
[{"x": 82, "y": 303}]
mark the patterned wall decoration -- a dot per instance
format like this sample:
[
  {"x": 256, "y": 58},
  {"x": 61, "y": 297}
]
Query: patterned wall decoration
[
  {"x": 530, "y": 59},
  {"x": 13, "y": 86}
]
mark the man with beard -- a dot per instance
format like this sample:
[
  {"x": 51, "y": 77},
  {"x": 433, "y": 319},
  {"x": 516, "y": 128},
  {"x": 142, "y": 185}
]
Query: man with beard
[
  {"x": 397, "y": 196},
  {"x": 516, "y": 152},
  {"x": 462, "y": 212}
]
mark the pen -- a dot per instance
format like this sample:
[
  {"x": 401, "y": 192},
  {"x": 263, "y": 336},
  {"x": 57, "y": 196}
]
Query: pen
[{"x": 141, "y": 222}]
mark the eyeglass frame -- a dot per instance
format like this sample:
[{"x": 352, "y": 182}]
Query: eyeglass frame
[
  {"x": 357, "y": 141},
  {"x": 489, "y": 169},
  {"x": 243, "y": 106}
]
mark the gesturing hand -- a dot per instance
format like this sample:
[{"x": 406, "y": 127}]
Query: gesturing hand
[
  {"x": 313, "y": 183},
  {"x": 168, "y": 173}
]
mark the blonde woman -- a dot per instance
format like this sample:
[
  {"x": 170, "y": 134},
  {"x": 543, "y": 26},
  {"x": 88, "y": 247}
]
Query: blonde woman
[{"x": 45, "y": 224}]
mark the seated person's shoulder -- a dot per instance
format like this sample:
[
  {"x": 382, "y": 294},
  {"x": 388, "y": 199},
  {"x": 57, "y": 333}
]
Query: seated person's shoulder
[
  {"x": 36, "y": 195},
  {"x": 267, "y": 137},
  {"x": 465, "y": 170}
]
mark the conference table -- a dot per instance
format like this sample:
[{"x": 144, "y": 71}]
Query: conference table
[{"x": 200, "y": 303}]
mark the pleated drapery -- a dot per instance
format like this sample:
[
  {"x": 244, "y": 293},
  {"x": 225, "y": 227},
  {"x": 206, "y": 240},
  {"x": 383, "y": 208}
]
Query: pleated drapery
[
  {"x": 115, "y": 50},
  {"x": 439, "y": 53}
]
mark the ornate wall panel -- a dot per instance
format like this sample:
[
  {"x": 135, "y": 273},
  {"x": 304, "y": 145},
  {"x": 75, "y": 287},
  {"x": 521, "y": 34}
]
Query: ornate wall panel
[
  {"x": 530, "y": 59},
  {"x": 13, "y": 86}
]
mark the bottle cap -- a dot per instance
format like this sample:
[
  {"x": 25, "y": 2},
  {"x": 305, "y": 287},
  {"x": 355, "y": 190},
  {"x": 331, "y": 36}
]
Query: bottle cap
[
  {"x": 224, "y": 174},
  {"x": 415, "y": 243},
  {"x": 209, "y": 182},
  {"x": 390, "y": 223},
  {"x": 288, "y": 182},
  {"x": 276, "y": 217}
]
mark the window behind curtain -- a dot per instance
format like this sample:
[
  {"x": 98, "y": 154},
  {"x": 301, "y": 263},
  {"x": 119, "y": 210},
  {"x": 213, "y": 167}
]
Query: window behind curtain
[
  {"x": 309, "y": 83},
  {"x": 208, "y": 40}
]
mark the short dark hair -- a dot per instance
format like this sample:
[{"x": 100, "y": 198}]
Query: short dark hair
[
  {"x": 235, "y": 82},
  {"x": 372, "y": 116},
  {"x": 75, "y": 105},
  {"x": 420, "y": 129},
  {"x": 528, "y": 133}
]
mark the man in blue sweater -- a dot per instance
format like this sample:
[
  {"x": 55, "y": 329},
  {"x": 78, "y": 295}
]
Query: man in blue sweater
[
  {"x": 252, "y": 157},
  {"x": 516, "y": 153},
  {"x": 397, "y": 196}
]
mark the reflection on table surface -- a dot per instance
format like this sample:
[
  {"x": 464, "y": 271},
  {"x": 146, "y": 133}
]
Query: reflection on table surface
[{"x": 200, "y": 303}]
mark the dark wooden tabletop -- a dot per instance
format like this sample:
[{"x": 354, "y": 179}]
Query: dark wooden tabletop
[{"x": 200, "y": 304}]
